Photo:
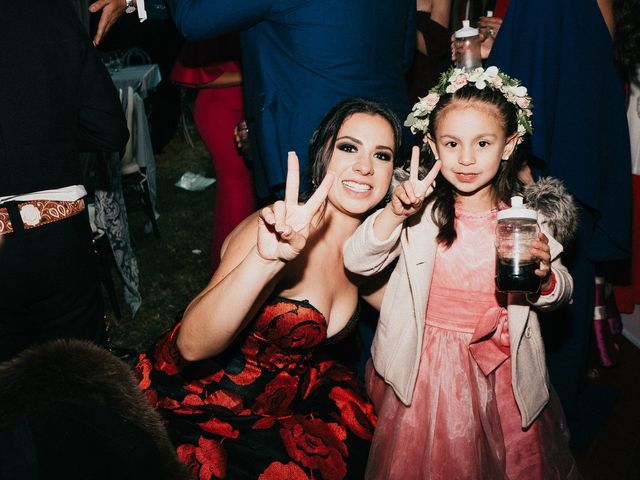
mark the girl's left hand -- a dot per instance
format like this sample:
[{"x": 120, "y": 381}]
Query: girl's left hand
[{"x": 540, "y": 250}]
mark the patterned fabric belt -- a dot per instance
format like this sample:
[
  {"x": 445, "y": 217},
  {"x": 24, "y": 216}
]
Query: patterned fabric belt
[{"x": 35, "y": 213}]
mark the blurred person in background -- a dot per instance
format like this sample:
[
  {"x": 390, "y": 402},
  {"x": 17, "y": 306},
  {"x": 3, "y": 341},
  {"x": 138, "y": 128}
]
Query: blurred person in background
[
  {"x": 562, "y": 51},
  {"x": 63, "y": 103},
  {"x": 298, "y": 60}
]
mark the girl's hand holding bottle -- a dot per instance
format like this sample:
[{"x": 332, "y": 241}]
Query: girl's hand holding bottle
[
  {"x": 283, "y": 228},
  {"x": 407, "y": 197},
  {"x": 540, "y": 250}
]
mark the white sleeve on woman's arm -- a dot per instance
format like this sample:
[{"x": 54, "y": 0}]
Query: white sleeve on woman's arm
[{"x": 364, "y": 254}]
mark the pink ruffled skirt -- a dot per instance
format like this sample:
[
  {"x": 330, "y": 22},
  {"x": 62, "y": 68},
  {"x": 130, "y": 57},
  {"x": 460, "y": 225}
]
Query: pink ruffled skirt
[{"x": 463, "y": 423}]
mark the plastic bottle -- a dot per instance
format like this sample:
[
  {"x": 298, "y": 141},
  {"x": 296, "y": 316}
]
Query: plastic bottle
[
  {"x": 515, "y": 266},
  {"x": 468, "y": 47}
]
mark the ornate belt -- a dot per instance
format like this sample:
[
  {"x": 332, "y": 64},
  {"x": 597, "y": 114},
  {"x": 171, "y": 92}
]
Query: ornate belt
[{"x": 35, "y": 213}]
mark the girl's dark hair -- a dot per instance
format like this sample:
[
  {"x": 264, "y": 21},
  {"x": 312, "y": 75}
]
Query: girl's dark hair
[
  {"x": 505, "y": 183},
  {"x": 323, "y": 139}
]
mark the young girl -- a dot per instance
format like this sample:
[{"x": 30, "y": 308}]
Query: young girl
[{"x": 460, "y": 383}]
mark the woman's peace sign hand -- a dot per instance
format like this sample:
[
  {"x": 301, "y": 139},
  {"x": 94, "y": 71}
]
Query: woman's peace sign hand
[
  {"x": 283, "y": 228},
  {"x": 407, "y": 197}
]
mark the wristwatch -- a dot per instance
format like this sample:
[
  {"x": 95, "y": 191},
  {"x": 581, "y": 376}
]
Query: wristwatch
[{"x": 130, "y": 7}]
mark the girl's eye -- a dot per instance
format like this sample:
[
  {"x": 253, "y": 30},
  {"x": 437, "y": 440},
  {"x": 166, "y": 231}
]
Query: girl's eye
[
  {"x": 451, "y": 144},
  {"x": 483, "y": 143},
  {"x": 347, "y": 147},
  {"x": 383, "y": 156}
]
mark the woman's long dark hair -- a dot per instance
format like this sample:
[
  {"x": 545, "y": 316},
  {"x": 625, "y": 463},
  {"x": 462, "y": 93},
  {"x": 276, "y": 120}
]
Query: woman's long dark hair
[
  {"x": 323, "y": 140},
  {"x": 505, "y": 183}
]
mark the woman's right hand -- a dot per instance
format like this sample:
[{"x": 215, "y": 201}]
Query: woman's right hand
[
  {"x": 407, "y": 197},
  {"x": 283, "y": 228}
]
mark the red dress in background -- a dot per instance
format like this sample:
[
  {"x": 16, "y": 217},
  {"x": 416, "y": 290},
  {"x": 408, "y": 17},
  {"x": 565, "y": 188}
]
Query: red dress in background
[
  {"x": 501, "y": 8},
  {"x": 217, "y": 110}
]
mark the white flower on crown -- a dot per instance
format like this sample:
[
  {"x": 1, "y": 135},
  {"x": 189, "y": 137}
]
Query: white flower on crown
[{"x": 455, "y": 78}]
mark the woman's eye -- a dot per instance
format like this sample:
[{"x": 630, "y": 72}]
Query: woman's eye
[
  {"x": 383, "y": 156},
  {"x": 451, "y": 144},
  {"x": 347, "y": 147},
  {"x": 483, "y": 143}
]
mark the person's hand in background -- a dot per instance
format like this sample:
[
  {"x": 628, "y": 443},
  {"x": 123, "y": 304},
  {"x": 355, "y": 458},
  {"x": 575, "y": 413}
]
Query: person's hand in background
[
  {"x": 488, "y": 27},
  {"x": 112, "y": 10}
]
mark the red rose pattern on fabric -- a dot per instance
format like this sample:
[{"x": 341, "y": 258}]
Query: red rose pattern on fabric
[
  {"x": 207, "y": 460},
  {"x": 316, "y": 445},
  {"x": 269, "y": 407},
  {"x": 280, "y": 471},
  {"x": 355, "y": 412},
  {"x": 277, "y": 396}
]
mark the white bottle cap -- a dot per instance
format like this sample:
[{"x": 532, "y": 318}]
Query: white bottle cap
[
  {"x": 466, "y": 31},
  {"x": 517, "y": 210},
  {"x": 489, "y": 13}
]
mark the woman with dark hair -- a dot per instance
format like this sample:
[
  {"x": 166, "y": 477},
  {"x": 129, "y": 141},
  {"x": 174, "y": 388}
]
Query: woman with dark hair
[{"x": 243, "y": 381}]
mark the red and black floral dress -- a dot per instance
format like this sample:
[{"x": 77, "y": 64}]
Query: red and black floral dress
[{"x": 273, "y": 406}]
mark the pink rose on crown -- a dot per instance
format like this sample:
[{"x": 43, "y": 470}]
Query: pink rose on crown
[
  {"x": 460, "y": 81},
  {"x": 431, "y": 100},
  {"x": 523, "y": 102}
]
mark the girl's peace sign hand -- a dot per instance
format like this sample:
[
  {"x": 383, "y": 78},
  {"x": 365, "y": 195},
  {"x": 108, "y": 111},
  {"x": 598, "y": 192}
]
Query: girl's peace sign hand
[
  {"x": 407, "y": 197},
  {"x": 283, "y": 228}
]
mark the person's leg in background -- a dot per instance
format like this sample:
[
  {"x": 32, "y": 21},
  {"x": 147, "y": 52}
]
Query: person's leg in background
[
  {"x": 217, "y": 111},
  {"x": 567, "y": 334},
  {"x": 50, "y": 286}
]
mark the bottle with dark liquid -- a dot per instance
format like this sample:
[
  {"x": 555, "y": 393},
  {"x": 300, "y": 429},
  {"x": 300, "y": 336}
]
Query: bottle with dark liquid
[{"x": 515, "y": 266}]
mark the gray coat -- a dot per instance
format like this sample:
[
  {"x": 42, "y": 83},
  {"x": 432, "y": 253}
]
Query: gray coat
[{"x": 398, "y": 340}]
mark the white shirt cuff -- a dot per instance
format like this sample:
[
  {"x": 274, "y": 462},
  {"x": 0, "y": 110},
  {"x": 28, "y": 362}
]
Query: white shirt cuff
[{"x": 142, "y": 12}]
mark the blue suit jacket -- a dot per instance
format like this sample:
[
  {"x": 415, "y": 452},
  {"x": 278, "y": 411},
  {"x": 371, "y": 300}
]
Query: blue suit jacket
[
  {"x": 562, "y": 52},
  {"x": 300, "y": 57}
]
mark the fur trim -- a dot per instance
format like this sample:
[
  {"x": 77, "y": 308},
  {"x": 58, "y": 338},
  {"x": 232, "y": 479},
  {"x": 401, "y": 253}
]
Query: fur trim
[
  {"x": 65, "y": 370},
  {"x": 550, "y": 197}
]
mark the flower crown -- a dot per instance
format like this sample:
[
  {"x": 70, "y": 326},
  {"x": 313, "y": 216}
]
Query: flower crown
[{"x": 456, "y": 78}]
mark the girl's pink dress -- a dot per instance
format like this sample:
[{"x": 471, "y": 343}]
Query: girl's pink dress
[{"x": 463, "y": 422}]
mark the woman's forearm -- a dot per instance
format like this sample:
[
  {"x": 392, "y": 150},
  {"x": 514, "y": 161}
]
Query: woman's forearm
[
  {"x": 226, "y": 79},
  {"x": 214, "y": 318}
]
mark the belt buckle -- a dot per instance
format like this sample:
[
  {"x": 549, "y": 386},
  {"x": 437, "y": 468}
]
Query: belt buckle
[{"x": 30, "y": 215}]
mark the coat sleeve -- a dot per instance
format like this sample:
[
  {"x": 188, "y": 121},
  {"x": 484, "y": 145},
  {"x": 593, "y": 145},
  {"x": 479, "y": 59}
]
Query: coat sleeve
[
  {"x": 101, "y": 122},
  {"x": 366, "y": 255},
  {"x": 563, "y": 289},
  {"x": 200, "y": 19}
]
